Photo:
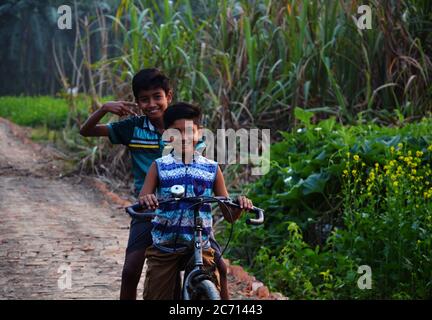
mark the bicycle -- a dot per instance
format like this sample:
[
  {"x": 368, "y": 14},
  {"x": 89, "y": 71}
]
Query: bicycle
[{"x": 197, "y": 284}]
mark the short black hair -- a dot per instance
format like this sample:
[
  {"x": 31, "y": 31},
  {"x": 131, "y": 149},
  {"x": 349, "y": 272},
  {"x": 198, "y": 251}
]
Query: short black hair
[
  {"x": 182, "y": 110},
  {"x": 148, "y": 79}
]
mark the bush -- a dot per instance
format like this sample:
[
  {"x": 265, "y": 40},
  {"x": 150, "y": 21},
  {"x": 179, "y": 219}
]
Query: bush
[
  {"x": 388, "y": 220},
  {"x": 338, "y": 197}
]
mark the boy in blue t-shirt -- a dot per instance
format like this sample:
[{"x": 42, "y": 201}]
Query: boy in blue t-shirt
[{"x": 143, "y": 137}]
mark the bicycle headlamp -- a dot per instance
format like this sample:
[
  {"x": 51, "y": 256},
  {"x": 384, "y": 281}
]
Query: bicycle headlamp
[{"x": 177, "y": 191}]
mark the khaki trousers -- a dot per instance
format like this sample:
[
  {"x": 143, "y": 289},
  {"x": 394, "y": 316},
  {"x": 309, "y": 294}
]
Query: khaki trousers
[{"x": 162, "y": 280}]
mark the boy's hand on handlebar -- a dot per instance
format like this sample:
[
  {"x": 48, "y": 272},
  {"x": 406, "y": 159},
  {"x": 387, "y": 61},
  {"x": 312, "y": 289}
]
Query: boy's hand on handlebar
[
  {"x": 148, "y": 200},
  {"x": 245, "y": 203},
  {"x": 235, "y": 213}
]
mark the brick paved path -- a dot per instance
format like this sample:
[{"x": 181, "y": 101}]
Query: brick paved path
[{"x": 49, "y": 224}]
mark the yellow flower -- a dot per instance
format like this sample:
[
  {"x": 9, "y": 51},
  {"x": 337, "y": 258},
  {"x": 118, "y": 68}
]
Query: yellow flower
[
  {"x": 430, "y": 148},
  {"x": 354, "y": 172},
  {"x": 348, "y": 154},
  {"x": 419, "y": 154},
  {"x": 326, "y": 275},
  {"x": 400, "y": 145},
  {"x": 392, "y": 149},
  {"x": 356, "y": 158},
  {"x": 395, "y": 184},
  {"x": 413, "y": 171}
]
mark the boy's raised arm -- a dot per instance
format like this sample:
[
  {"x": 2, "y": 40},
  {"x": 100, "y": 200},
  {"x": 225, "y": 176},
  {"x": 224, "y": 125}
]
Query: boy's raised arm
[
  {"x": 92, "y": 128},
  {"x": 220, "y": 189}
]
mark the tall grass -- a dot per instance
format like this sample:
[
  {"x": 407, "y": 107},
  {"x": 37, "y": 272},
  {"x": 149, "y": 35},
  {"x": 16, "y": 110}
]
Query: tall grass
[
  {"x": 246, "y": 62},
  {"x": 250, "y": 63}
]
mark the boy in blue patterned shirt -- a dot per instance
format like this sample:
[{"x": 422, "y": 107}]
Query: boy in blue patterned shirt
[{"x": 173, "y": 227}]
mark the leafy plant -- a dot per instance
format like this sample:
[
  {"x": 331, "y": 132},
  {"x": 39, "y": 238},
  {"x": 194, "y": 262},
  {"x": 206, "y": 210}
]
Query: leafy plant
[{"x": 338, "y": 197}]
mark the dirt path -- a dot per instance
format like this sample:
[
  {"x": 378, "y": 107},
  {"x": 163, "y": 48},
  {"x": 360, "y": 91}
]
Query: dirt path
[
  {"x": 48, "y": 225},
  {"x": 55, "y": 229}
]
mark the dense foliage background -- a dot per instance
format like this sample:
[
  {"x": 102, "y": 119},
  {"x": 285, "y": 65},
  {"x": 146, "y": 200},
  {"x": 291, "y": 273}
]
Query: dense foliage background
[{"x": 339, "y": 197}]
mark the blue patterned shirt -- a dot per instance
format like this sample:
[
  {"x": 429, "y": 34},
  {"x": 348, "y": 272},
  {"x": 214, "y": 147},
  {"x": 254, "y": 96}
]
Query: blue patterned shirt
[{"x": 174, "y": 223}]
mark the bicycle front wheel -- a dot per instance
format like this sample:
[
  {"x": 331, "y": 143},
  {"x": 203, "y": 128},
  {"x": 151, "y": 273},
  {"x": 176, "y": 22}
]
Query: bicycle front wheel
[{"x": 206, "y": 290}]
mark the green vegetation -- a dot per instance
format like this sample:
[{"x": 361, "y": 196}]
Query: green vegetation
[
  {"x": 29, "y": 35},
  {"x": 46, "y": 111},
  {"x": 246, "y": 62},
  {"x": 350, "y": 181},
  {"x": 338, "y": 197}
]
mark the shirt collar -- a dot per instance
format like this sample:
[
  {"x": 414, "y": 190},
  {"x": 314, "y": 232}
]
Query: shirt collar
[
  {"x": 149, "y": 125},
  {"x": 178, "y": 158}
]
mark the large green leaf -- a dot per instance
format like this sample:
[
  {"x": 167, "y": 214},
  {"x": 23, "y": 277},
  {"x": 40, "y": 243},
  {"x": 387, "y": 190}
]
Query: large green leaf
[
  {"x": 303, "y": 115},
  {"x": 315, "y": 183}
]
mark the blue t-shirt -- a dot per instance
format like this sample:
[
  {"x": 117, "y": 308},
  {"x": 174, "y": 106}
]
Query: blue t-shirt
[{"x": 144, "y": 143}]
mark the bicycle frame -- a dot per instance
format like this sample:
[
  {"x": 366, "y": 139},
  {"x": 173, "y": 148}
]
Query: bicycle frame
[
  {"x": 197, "y": 274},
  {"x": 198, "y": 269}
]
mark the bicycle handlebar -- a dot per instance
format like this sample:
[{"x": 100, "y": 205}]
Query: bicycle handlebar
[{"x": 259, "y": 213}]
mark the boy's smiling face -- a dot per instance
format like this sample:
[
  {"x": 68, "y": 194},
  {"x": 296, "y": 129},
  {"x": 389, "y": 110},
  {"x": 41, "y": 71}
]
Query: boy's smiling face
[
  {"x": 153, "y": 102},
  {"x": 189, "y": 134}
]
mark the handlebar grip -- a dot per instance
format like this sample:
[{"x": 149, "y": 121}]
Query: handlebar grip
[
  {"x": 139, "y": 215},
  {"x": 259, "y": 217},
  {"x": 259, "y": 214}
]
